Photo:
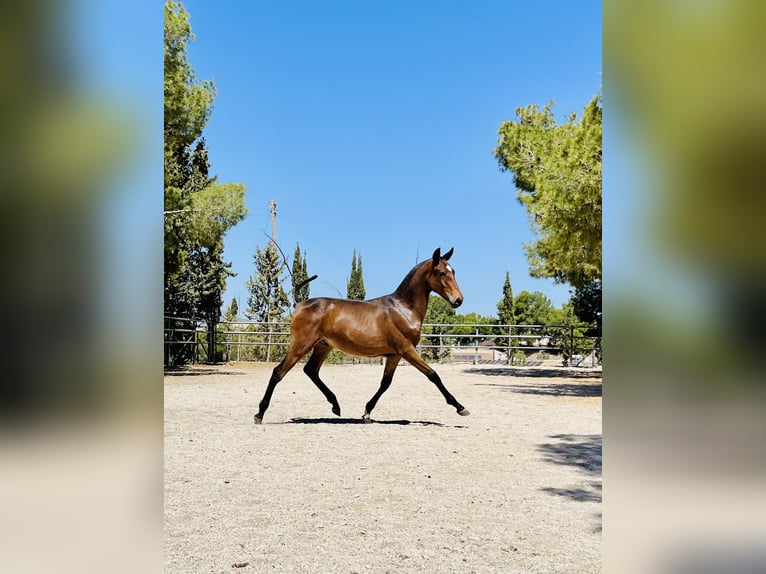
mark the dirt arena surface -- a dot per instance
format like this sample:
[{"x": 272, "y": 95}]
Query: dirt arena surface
[{"x": 515, "y": 487}]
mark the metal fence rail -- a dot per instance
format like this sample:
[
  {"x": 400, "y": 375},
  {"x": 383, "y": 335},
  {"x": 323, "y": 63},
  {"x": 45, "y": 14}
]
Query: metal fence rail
[
  {"x": 184, "y": 340},
  {"x": 189, "y": 340}
]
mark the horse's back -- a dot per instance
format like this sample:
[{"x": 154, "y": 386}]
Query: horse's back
[{"x": 327, "y": 304}]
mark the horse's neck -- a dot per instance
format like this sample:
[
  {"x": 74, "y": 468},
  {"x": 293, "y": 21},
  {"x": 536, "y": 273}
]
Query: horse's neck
[{"x": 413, "y": 292}]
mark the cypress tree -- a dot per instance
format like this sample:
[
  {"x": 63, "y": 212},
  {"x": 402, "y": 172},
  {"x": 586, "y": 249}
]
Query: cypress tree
[
  {"x": 506, "y": 313},
  {"x": 505, "y": 308},
  {"x": 355, "y": 286},
  {"x": 300, "y": 274},
  {"x": 360, "y": 279}
]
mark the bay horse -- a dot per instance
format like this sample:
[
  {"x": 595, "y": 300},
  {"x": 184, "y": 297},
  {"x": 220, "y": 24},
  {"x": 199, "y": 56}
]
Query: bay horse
[{"x": 388, "y": 326}]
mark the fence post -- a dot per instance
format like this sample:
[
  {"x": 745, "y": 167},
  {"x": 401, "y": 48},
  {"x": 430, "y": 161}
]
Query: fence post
[
  {"x": 571, "y": 344},
  {"x": 440, "y": 351},
  {"x": 476, "y": 348},
  {"x": 167, "y": 343},
  {"x": 211, "y": 342}
]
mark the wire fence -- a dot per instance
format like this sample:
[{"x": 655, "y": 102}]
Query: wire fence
[{"x": 189, "y": 341}]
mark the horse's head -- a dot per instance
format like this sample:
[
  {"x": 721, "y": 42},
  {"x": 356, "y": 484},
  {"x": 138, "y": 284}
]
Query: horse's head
[{"x": 441, "y": 278}]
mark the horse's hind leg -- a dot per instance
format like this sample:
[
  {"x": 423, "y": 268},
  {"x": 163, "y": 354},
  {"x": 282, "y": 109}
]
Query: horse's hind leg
[
  {"x": 321, "y": 350},
  {"x": 388, "y": 375},
  {"x": 293, "y": 356}
]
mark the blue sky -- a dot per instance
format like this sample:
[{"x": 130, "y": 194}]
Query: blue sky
[{"x": 373, "y": 125}]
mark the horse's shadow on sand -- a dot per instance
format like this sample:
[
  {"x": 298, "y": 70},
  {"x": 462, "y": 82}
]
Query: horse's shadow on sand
[{"x": 359, "y": 421}]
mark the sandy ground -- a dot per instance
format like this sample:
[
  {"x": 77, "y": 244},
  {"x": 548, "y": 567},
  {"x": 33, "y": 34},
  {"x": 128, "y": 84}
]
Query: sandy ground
[{"x": 515, "y": 487}]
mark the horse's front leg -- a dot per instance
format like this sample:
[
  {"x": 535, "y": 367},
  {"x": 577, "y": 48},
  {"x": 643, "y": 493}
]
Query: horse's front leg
[
  {"x": 412, "y": 356},
  {"x": 276, "y": 375},
  {"x": 388, "y": 375}
]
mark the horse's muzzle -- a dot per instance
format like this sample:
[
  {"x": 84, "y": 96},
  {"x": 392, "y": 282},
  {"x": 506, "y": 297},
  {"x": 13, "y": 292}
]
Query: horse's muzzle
[{"x": 457, "y": 303}]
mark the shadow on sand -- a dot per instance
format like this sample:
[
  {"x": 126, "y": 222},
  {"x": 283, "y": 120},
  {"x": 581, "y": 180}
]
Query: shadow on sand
[
  {"x": 551, "y": 389},
  {"x": 538, "y": 372},
  {"x": 358, "y": 421},
  {"x": 582, "y": 452},
  {"x": 589, "y": 387},
  {"x": 197, "y": 371}
]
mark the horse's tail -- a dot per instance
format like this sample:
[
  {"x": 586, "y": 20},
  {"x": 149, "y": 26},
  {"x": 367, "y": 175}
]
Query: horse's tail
[{"x": 301, "y": 284}]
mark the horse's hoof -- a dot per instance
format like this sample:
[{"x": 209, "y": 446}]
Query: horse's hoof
[
  {"x": 336, "y": 410},
  {"x": 366, "y": 418},
  {"x": 258, "y": 420},
  {"x": 464, "y": 412}
]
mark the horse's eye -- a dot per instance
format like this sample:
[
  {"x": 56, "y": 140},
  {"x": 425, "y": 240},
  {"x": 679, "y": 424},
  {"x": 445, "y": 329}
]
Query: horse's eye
[{"x": 442, "y": 273}]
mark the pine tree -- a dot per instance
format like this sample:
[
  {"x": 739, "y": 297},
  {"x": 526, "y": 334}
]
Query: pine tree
[
  {"x": 267, "y": 300},
  {"x": 355, "y": 286},
  {"x": 198, "y": 210},
  {"x": 232, "y": 312},
  {"x": 586, "y": 303},
  {"x": 557, "y": 172},
  {"x": 532, "y": 308},
  {"x": 188, "y": 103}
]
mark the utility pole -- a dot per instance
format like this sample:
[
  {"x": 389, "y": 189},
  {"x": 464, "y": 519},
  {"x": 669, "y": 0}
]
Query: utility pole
[{"x": 273, "y": 210}]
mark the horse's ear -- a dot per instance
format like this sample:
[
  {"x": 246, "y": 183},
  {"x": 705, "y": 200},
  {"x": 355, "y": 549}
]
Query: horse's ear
[
  {"x": 437, "y": 256},
  {"x": 447, "y": 255}
]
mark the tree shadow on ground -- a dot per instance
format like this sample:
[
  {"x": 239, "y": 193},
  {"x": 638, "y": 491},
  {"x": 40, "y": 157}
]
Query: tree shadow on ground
[
  {"x": 538, "y": 372},
  {"x": 551, "y": 389},
  {"x": 591, "y": 492},
  {"x": 583, "y": 452},
  {"x": 358, "y": 421}
]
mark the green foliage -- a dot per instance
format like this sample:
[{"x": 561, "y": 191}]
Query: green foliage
[
  {"x": 506, "y": 314},
  {"x": 567, "y": 331},
  {"x": 208, "y": 273},
  {"x": 460, "y": 332},
  {"x": 188, "y": 101},
  {"x": 532, "y": 308},
  {"x": 557, "y": 172},
  {"x": 232, "y": 312},
  {"x": 198, "y": 210},
  {"x": 299, "y": 274},
  {"x": 338, "y": 357},
  {"x": 215, "y": 209},
  {"x": 267, "y": 301},
  {"x": 586, "y": 303},
  {"x": 258, "y": 342},
  {"x": 355, "y": 287},
  {"x": 438, "y": 313},
  {"x": 505, "y": 308},
  {"x": 467, "y": 326}
]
